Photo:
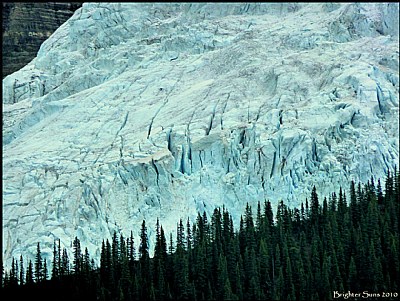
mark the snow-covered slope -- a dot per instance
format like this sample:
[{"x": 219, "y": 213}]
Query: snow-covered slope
[{"x": 141, "y": 110}]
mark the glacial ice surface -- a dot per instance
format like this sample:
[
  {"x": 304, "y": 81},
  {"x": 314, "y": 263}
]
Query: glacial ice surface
[{"x": 134, "y": 111}]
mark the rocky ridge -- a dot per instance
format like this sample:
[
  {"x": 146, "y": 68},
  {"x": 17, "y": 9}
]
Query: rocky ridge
[
  {"x": 143, "y": 110},
  {"x": 26, "y": 26}
]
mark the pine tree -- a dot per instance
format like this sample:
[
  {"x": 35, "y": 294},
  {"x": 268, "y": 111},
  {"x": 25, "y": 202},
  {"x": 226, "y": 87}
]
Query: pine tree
[
  {"x": 131, "y": 253},
  {"x": 45, "y": 272},
  {"x": 189, "y": 248},
  {"x": 77, "y": 257},
  {"x": 223, "y": 287},
  {"x": 124, "y": 283},
  {"x": 249, "y": 228},
  {"x": 144, "y": 260},
  {"x": 227, "y": 231},
  {"x": 325, "y": 290},
  {"x": 65, "y": 263},
  {"x": 242, "y": 236},
  {"x": 279, "y": 286},
  {"x": 29, "y": 274},
  {"x": 354, "y": 206},
  {"x": 259, "y": 224},
  {"x": 115, "y": 257},
  {"x": 265, "y": 267},
  {"x": 55, "y": 270},
  {"x": 38, "y": 265},
  {"x": 160, "y": 255},
  {"x": 181, "y": 265},
  {"x": 163, "y": 247},
  {"x": 13, "y": 276},
  {"x": 136, "y": 295},
  {"x": 59, "y": 261},
  {"x": 86, "y": 267},
  {"x": 389, "y": 185},
  {"x": 314, "y": 213},
  {"x": 352, "y": 278},
  {"x": 21, "y": 271},
  {"x": 109, "y": 277},
  {"x": 333, "y": 202},
  {"x": 316, "y": 263}
]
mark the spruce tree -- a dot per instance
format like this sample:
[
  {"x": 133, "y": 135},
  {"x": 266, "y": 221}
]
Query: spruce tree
[
  {"x": 77, "y": 257},
  {"x": 131, "y": 252},
  {"x": 55, "y": 270},
  {"x": 314, "y": 213},
  {"x": 45, "y": 272},
  {"x": 115, "y": 256},
  {"x": 181, "y": 264},
  {"x": 124, "y": 283},
  {"x": 144, "y": 260},
  {"x": 29, "y": 274},
  {"x": 21, "y": 271},
  {"x": 38, "y": 265},
  {"x": 13, "y": 276}
]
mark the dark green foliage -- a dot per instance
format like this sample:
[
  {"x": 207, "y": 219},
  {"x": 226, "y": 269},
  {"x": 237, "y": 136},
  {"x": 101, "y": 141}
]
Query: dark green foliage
[
  {"x": 22, "y": 271},
  {"x": 29, "y": 274},
  {"x": 144, "y": 264},
  {"x": 38, "y": 265},
  {"x": 305, "y": 254},
  {"x": 77, "y": 264}
]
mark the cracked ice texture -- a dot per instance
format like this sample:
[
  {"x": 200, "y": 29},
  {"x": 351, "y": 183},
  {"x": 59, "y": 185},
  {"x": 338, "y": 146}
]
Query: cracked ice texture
[{"x": 142, "y": 110}]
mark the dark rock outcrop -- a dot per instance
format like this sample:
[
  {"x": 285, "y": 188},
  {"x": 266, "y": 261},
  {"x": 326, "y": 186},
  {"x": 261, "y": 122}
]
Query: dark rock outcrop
[{"x": 26, "y": 26}]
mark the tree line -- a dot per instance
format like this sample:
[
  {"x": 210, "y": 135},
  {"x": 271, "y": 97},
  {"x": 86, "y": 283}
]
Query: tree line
[{"x": 344, "y": 242}]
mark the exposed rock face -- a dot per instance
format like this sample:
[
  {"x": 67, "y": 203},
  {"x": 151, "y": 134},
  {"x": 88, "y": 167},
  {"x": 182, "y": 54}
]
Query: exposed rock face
[
  {"x": 145, "y": 110},
  {"x": 26, "y": 26}
]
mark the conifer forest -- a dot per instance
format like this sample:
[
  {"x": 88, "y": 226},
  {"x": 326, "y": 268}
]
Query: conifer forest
[{"x": 342, "y": 246}]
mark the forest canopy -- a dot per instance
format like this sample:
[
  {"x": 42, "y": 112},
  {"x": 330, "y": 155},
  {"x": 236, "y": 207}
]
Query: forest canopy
[{"x": 328, "y": 247}]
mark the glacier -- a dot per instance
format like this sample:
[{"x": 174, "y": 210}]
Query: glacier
[{"x": 134, "y": 111}]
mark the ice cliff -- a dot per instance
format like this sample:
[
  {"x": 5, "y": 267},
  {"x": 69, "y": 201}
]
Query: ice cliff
[{"x": 134, "y": 111}]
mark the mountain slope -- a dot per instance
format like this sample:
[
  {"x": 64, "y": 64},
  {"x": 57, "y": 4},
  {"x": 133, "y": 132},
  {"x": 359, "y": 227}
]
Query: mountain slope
[
  {"x": 26, "y": 26},
  {"x": 141, "y": 110}
]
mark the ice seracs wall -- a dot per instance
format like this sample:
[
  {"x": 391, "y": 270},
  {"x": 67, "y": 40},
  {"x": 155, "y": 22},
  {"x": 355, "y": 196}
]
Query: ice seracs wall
[{"x": 135, "y": 111}]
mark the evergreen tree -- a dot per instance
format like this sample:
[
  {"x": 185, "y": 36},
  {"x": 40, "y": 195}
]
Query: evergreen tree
[
  {"x": 144, "y": 260},
  {"x": 77, "y": 256},
  {"x": 13, "y": 276},
  {"x": 249, "y": 228},
  {"x": 124, "y": 283},
  {"x": 181, "y": 265},
  {"x": 59, "y": 261},
  {"x": 115, "y": 257},
  {"x": 325, "y": 290},
  {"x": 109, "y": 277},
  {"x": 265, "y": 268},
  {"x": 131, "y": 253},
  {"x": 38, "y": 265},
  {"x": 65, "y": 263},
  {"x": 45, "y": 272},
  {"x": 55, "y": 269},
  {"x": 29, "y": 274},
  {"x": 314, "y": 213},
  {"x": 352, "y": 278},
  {"x": 21, "y": 271},
  {"x": 189, "y": 248}
]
